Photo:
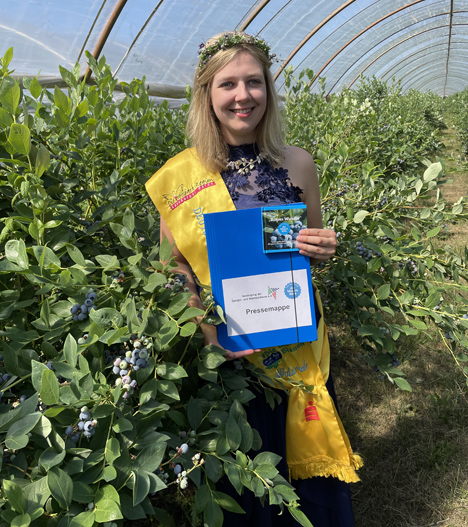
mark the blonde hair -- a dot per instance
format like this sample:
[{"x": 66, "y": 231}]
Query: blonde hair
[{"x": 203, "y": 127}]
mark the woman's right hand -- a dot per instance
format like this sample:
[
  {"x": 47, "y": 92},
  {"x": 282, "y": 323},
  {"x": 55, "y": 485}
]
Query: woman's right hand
[{"x": 230, "y": 355}]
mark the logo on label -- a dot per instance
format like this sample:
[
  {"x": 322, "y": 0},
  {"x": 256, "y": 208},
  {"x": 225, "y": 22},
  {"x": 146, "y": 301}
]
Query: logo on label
[
  {"x": 272, "y": 291},
  {"x": 284, "y": 228},
  {"x": 180, "y": 194},
  {"x": 292, "y": 290}
]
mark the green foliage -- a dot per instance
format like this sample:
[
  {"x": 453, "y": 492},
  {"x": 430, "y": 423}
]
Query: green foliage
[
  {"x": 388, "y": 279},
  {"x": 81, "y": 445},
  {"x": 78, "y": 226}
]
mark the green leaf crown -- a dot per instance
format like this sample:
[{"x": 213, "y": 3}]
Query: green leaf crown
[{"x": 229, "y": 40}]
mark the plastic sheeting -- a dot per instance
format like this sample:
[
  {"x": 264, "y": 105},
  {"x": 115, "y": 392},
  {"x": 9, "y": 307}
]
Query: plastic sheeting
[{"x": 423, "y": 43}]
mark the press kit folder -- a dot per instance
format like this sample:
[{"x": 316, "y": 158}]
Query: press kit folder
[{"x": 267, "y": 297}]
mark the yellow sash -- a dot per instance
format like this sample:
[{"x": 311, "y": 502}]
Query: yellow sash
[{"x": 316, "y": 442}]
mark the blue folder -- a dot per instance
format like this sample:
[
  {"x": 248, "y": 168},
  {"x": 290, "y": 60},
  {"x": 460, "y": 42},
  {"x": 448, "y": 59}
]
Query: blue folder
[{"x": 235, "y": 250}]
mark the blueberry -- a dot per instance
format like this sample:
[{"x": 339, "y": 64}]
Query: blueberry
[
  {"x": 85, "y": 416},
  {"x": 75, "y": 437},
  {"x": 69, "y": 430},
  {"x": 88, "y": 302},
  {"x": 88, "y": 426}
]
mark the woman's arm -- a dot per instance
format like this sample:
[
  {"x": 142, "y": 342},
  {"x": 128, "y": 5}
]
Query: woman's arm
[
  {"x": 315, "y": 241},
  {"x": 209, "y": 331}
]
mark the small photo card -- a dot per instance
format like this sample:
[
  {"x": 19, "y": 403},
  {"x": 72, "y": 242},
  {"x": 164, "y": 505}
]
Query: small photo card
[{"x": 281, "y": 225}]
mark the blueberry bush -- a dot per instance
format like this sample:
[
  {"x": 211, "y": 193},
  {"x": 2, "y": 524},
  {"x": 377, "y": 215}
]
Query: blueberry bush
[
  {"x": 111, "y": 407},
  {"x": 108, "y": 397},
  {"x": 384, "y": 198}
]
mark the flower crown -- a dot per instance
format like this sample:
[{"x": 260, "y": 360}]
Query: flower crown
[{"x": 229, "y": 40}]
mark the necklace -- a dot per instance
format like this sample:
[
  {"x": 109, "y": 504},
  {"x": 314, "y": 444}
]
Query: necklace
[{"x": 244, "y": 166}]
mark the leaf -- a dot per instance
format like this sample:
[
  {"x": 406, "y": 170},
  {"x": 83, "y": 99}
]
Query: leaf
[
  {"x": 14, "y": 495},
  {"x": 61, "y": 486},
  {"x": 360, "y": 216},
  {"x": 233, "y": 433},
  {"x": 155, "y": 280},
  {"x": 106, "y": 316},
  {"x": 165, "y": 250},
  {"x": 190, "y": 313},
  {"x": 226, "y": 502},
  {"x": 213, "y": 515},
  {"x": 70, "y": 350},
  {"x": 170, "y": 371},
  {"x": 15, "y": 251},
  {"x": 84, "y": 519},
  {"x": 122, "y": 425},
  {"x": 299, "y": 516},
  {"x": 403, "y": 384},
  {"x": 61, "y": 100},
  {"x": 432, "y": 171},
  {"x": 10, "y": 94},
  {"x": 178, "y": 303},
  {"x": 168, "y": 388},
  {"x": 188, "y": 329},
  {"x": 112, "y": 451},
  {"x": 76, "y": 255},
  {"x": 20, "y": 138},
  {"x": 433, "y": 232},
  {"x": 383, "y": 292},
  {"x": 234, "y": 474},
  {"x": 82, "y": 493},
  {"x": 194, "y": 413},
  {"x": 202, "y": 498},
  {"x": 50, "y": 458},
  {"x": 107, "y": 511},
  {"x": 49, "y": 391},
  {"x": 23, "y": 520},
  {"x": 167, "y": 332},
  {"x": 140, "y": 487},
  {"x": 42, "y": 161},
  {"x": 213, "y": 468},
  {"x": 149, "y": 459},
  {"x": 36, "y": 374},
  {"x": 17, "y": 434}
]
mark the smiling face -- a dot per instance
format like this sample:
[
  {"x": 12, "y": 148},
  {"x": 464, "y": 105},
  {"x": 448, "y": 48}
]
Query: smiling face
[{"x": 239, "y": 98}]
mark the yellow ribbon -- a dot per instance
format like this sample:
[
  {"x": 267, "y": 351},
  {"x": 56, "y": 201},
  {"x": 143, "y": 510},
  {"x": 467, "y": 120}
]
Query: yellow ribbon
[{"x": 316, "y": 442}]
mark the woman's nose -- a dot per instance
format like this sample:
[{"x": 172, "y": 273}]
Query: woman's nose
[{"x": 242, "y": 93}]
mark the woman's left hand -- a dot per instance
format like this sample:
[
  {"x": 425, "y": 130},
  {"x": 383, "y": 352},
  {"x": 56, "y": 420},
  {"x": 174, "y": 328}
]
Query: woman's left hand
[{"x": 318, "y": 244}]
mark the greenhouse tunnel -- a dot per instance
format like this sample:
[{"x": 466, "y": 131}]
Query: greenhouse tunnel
[{"x": 422, "y": 43}]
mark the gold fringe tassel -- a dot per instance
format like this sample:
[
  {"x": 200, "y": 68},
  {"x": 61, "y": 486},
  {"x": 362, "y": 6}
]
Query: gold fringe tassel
[{"x": 326, "y": 467}]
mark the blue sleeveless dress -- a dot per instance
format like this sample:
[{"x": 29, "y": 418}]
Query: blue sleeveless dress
[{"x": 325, "y": 501}]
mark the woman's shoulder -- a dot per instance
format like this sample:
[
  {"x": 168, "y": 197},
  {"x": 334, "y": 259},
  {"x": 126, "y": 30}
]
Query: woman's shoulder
[
  {"x": 300, "y": 164},
  {"x": 295, "y": 155}
]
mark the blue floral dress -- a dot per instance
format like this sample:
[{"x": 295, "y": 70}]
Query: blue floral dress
[{"x": 325, "y": 501}]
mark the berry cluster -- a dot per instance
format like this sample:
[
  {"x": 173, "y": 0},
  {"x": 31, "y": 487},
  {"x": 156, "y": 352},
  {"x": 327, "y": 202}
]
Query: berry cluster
[
  {"x": 80, "y": 311},
  {"x": 85, "y": 425},
  {"x": 411, "y": 265},
  {"x": 119, "y": 277},
  {"x": 133, "y": 360},
  {"x": 365, "y": 253},
  {"x": 177, "y": 282}
]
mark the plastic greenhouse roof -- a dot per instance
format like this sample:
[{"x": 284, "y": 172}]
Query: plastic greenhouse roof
[{"x": 423, "y": 43}]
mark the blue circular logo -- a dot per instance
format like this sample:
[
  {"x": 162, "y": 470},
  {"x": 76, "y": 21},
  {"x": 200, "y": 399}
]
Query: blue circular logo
[
  {"x": 292, "y": 290},
  {"x": 284, "y": 228}
]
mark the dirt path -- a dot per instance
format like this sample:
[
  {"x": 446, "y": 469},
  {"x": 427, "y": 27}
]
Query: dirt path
[{"x": 456, "y": 186}]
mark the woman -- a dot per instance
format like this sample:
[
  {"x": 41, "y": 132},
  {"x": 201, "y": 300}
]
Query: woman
[{"x": 239, "y": 160}]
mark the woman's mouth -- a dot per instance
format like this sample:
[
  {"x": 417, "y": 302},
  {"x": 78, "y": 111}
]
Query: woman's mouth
[{"x": 242, "y": 112}]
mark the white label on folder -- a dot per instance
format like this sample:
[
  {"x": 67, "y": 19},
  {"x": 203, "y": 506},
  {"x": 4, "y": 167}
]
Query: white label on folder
[{"x": 266, "y": 302}]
